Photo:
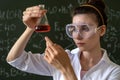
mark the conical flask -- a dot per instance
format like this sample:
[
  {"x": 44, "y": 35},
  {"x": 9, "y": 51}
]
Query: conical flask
[{"x": 42, "y": 24}]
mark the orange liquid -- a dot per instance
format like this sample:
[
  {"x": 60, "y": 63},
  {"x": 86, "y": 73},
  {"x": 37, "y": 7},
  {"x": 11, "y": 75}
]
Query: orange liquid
[{"x": 42, "y": 28}]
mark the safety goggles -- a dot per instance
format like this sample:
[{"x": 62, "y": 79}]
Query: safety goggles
[{"x": 83, "y": 30}]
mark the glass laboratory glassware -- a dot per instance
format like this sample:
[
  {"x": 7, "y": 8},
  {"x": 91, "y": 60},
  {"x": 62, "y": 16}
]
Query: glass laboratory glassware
[{"x": 42, "y": 24}]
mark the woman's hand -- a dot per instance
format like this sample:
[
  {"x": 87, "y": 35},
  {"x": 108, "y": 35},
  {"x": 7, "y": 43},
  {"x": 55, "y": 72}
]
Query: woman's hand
[
  {"x": 31, "y": 16},
  {"x": 56, "y": 55}
]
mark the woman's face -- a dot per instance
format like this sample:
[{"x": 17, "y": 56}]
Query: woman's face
[{"x": 90, "y": 40}]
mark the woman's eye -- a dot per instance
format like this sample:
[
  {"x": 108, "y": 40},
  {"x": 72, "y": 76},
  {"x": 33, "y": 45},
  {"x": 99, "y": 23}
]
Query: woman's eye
[
  {"x": 72, "y": 28},
  {"x": 84, "y": 28}
]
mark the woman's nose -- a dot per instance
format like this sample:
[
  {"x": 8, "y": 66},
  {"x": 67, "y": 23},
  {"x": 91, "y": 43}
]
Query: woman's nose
[{"x": 77, "y": 35}]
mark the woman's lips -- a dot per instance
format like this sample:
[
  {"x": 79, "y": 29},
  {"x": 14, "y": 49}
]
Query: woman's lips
[{"x": 80, "y": 44}]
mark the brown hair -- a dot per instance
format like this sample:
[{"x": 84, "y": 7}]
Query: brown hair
[{"x": 96, "y": 7}]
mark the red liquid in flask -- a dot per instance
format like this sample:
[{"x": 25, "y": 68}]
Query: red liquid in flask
[{"x": 42, "y": 28}]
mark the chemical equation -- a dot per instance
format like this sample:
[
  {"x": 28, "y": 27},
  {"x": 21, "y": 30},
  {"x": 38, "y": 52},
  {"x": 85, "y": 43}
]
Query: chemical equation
[
  {"x": 10, "y": 14},
  {"x": 5, "y": 43},
  {"x": 62, "y": 9},
  {"x": 11, "y": 73},
  {"x": 17, "y": 13},
  {"x": 7, "y": 27},
  {"x": 112, "y": 42},
  {"x": 112, "y": 14}
]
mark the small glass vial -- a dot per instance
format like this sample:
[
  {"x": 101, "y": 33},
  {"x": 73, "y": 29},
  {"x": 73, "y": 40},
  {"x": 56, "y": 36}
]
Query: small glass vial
[{"x": 42, "y": 24}]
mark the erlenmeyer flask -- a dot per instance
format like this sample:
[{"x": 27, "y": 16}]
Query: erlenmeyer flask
[{"x": 42, "y": 24}]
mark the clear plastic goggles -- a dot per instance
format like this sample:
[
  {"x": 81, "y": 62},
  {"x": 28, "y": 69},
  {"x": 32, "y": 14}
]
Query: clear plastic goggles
[{"x": 83, "y": 30}]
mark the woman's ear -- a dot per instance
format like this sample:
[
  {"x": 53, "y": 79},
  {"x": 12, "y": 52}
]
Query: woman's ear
[{"x": 102, "y": 30}]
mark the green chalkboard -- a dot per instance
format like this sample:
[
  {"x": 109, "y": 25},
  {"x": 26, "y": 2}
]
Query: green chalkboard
[{"x": 11, "y": 27}]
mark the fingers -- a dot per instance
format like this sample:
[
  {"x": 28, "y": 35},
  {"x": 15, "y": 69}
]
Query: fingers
[
  {"x": 48, "y": 41},
  {"x": 34, "y": 11},
  {"x": 47, "y": 56},
  {"x": 53, "y": 52},
  {"x": 49, "y": 52},
  {"x": 52, "y": 45},
  {"x": 50, "y": 56},
  {"x": 31, "y": 16}
]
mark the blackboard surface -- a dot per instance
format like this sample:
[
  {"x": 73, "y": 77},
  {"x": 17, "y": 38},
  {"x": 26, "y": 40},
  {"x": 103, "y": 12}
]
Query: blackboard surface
[{"x": 11, "y": 27}]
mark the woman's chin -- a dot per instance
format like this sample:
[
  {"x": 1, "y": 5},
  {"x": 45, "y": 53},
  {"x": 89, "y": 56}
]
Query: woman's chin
[{"x": 81, "y": 48}]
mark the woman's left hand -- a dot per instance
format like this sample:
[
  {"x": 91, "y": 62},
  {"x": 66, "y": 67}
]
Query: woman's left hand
[{"x": 56, "y": 55}]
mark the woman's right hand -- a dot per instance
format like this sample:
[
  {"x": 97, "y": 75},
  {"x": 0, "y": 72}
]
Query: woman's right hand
[{"x": 31, "y": 16}]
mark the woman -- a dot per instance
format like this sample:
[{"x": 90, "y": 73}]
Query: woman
[{"x": 87, "y": 62}]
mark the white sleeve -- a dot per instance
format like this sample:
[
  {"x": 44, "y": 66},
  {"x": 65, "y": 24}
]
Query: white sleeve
[{"x": 32, "y": 63}]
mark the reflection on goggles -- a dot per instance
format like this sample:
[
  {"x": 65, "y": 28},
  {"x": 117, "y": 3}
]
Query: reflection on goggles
[{"x": 83, "y": 30}]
